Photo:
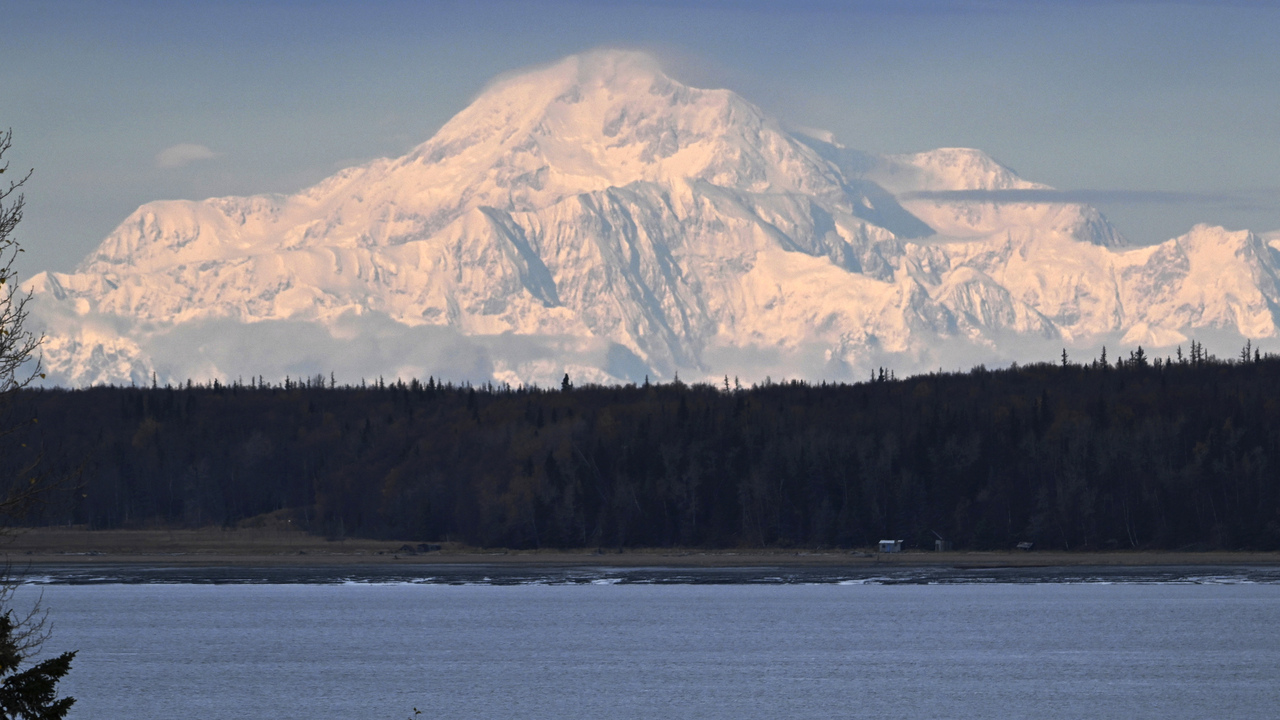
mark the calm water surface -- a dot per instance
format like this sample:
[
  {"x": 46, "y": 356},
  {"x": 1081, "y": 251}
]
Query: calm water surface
[{"x": 583, "y": 650}]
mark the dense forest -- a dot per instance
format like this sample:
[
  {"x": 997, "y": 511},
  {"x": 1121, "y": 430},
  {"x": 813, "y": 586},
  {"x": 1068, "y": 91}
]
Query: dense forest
[{"x": 1126, "y": 454}]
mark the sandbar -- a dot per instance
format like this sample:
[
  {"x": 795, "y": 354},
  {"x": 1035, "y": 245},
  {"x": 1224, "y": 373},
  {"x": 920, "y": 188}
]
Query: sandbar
[{"x": 283, "y": 548}]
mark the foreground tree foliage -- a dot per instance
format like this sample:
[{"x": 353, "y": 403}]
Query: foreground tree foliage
[
  {"x": 18, "y": 344},
  {"x": 21, "y": 485},
  {"x": 1182, "y": 454},
  {"x": 29, "y": 694}
]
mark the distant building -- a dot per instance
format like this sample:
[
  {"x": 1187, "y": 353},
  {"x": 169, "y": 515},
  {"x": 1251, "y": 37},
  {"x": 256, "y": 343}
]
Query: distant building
[
  {"x": 887, "y": 546},
  {"x": 941, "y": 545}
]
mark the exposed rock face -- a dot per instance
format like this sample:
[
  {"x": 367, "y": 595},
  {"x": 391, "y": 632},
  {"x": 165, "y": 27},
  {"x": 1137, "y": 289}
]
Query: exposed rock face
[{"x": 599, "y": 217}]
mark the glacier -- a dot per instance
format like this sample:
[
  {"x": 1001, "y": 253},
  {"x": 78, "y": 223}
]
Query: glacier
[{"x": 598, "y": 218}]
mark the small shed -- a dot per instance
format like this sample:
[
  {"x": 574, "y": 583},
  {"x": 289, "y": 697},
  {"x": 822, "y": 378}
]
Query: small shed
[
  {"x": 942, "y": 545},
  {"x": 888, "y": 546}
]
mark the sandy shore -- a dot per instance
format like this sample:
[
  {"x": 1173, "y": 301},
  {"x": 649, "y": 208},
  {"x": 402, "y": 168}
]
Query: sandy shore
[{"x": 250, "y": 547}]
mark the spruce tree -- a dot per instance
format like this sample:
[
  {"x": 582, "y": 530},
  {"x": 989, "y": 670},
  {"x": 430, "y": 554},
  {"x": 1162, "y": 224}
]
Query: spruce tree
[{"x": 30, "y": 694}]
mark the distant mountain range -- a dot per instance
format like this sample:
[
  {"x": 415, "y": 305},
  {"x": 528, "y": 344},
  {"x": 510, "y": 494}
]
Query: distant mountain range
[{"x": 598, "y": 218}]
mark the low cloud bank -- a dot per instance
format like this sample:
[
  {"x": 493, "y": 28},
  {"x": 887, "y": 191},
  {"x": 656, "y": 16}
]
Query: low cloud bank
[
  {"x": 371, "y": 345},
  {"x": 1083, "y": 197},
  {"x": 85, "y": 350},
  {"x": 182, "y": 155}
]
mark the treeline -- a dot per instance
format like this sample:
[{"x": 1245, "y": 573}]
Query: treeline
[{"x": 1132, "y": 454}]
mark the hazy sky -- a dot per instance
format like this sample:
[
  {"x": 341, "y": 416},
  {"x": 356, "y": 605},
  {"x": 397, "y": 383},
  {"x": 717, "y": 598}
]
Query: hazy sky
[{"x": 1162, "y": 114}]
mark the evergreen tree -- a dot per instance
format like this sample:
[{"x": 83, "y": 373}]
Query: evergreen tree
[{"x": 30, "y": 694}]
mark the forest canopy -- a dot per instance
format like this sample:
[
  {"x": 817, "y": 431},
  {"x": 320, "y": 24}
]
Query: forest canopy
[{"x": 1178, "y": 454}]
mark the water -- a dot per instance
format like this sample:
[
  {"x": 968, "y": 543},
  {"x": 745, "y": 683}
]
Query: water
[{"x": 615, "y": 644}]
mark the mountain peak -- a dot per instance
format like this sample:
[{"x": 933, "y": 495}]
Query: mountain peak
[
  {"x": 596, "y": 216},
  {"x": 595, "y": 81},
  {"x": 610, "y": 118}
]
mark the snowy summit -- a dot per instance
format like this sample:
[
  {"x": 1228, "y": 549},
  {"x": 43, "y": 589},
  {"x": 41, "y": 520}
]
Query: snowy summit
[{"x": 599, "y": 218}]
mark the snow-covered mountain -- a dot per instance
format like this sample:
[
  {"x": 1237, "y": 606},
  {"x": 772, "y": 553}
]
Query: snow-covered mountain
[{"x": 598, "y": 217}]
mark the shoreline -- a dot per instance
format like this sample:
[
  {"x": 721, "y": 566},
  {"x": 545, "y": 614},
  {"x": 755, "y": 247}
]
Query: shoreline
[{"x": 284, "y": 548}]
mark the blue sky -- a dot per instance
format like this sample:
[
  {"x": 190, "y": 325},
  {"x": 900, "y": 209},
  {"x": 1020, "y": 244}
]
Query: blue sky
[{"x": 1162, "y": 114}]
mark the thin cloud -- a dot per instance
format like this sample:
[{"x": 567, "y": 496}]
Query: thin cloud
[
  {"x": 1086, "y": 197},
  {"x": 182, "y": 155}
]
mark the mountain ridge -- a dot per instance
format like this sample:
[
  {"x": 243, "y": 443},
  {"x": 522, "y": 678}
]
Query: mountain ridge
[{"x": 598, "y": 217}]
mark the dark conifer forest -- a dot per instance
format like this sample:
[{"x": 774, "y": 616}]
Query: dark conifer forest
[{"x": 1181, "y": 454}]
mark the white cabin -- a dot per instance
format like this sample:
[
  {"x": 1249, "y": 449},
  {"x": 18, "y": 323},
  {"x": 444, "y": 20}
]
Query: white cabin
[{"x": 887, "y": 546}]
